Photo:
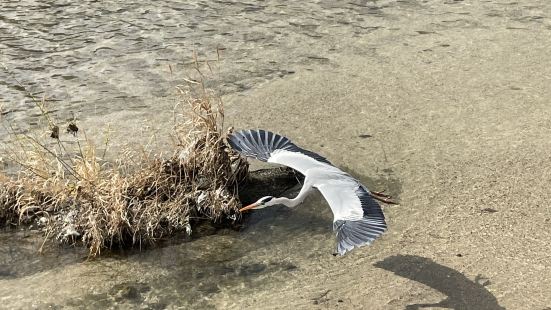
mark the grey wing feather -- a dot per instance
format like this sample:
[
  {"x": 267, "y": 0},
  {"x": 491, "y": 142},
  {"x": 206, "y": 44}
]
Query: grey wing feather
[
  {"x": 260, "y": 144},
  {"x": 357, "y": 233}
]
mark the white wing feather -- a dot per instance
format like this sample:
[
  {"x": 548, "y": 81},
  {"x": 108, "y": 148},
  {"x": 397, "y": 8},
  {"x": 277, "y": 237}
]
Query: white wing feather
[
  {"x": 298, "y": 161},
  {"x": 342, "y": 199},
  {"x": 358, "y": 218},
  {"x": 337, "y": 187}
]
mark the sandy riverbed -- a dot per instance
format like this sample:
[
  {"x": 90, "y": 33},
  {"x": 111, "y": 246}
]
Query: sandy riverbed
[{"x": 456, "y": 98}]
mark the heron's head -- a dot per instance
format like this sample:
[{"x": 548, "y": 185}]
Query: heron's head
[{"x": 260, "y": 203}]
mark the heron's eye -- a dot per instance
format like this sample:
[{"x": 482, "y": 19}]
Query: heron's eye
[{"x": 264, "y": 200}]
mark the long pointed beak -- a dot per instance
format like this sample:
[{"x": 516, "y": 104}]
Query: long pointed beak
[{"x": 249, "y": 207}]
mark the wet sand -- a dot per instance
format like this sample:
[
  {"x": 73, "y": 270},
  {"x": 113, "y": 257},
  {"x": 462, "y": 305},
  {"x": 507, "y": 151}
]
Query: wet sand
[
  {"x": 457, "y": 103},
  {"x": 455, "y": 99}
]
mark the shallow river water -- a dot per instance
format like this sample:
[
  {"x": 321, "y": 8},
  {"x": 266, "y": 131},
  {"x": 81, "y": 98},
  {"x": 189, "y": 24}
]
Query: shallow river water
[
  {"x": 222, "y": 268},
  {"x": 97, "y": 57},
  {"x": 94, "y": 58},
  {"x": 225, "y": 266},
  {"x": 347, "y": 71}
]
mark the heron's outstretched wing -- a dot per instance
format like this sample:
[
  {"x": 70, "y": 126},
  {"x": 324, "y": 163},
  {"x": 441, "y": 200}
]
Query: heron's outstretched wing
[
  {"x": 359, "y": 219},
  {"x": 268, "y": 146}
]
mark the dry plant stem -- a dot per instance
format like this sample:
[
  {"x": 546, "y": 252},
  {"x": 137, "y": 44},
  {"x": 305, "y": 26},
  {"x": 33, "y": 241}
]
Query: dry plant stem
[
  {"x": 39, "y": 104},
  {"x": 139, "y": 200}
]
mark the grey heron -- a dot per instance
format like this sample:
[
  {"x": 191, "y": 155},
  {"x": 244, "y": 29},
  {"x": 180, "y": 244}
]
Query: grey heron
[{"x": 358, "y": 217}]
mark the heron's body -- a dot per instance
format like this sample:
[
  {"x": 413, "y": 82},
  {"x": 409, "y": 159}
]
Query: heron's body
[{"x": 358, "y": 218}]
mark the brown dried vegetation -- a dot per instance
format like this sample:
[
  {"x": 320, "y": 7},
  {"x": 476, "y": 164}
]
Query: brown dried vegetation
[{"x": 77, "y": 197}]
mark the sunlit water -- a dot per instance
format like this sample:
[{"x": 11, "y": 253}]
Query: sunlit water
[
  {"x": 93, "y": 58},
  {"x": 96, "y": 57},
  {"x": 275, "y": 243},
  {"x": 220, "y": 268}
]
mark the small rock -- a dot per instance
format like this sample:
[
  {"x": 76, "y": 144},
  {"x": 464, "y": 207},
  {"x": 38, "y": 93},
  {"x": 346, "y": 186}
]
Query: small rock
[{"x": 128, "y": 292}]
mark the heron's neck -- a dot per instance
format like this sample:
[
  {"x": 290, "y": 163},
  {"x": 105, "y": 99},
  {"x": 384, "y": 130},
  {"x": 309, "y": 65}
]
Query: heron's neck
[{"x": 291, "y": 203}]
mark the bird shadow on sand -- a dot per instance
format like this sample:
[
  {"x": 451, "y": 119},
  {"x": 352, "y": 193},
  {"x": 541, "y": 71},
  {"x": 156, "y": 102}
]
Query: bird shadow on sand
[{"x": 461, "y": 292}]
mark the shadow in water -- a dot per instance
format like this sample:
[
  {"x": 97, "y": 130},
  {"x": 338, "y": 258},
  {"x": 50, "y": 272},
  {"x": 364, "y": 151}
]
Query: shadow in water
[
  {"x": 314, "y": 215},
  {"x": 462, "y": 292},
  {"x": 209, "y": 242},
  {"x": 264, "y": 182},
  {"x": 384, "y": 180},
  {"x": 20, "y": 257}
]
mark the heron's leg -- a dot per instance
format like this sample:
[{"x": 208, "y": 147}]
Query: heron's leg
[
  {"x": 381, "y": 194},
  {"x": 383, "y": 197}
]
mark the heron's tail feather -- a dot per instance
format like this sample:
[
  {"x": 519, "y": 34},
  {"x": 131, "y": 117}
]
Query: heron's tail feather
[
  {"x": 354, "y": 234},
  {"x": 260, "y": 144}
]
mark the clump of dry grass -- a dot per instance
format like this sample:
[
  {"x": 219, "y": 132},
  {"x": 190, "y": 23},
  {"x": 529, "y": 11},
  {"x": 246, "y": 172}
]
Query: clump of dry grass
[{"x": 78, "y": 198}]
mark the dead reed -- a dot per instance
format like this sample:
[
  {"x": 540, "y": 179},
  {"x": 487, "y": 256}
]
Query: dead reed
[{"x": 76, "y": 197}]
